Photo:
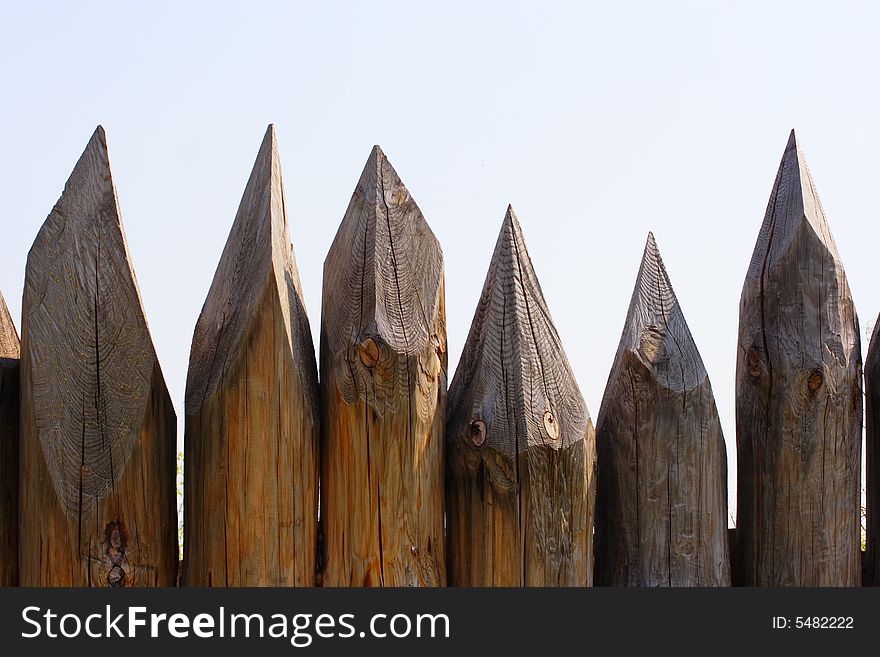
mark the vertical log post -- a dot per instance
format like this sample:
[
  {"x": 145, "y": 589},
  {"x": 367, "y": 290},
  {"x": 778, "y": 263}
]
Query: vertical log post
[
  {"x": 98, "y": 432},
  {"x": 521, "y": 447},
  {"x": 798, "y": 398},
  {"x": 9, "y": 371},
  {"x": 383, "y": 385},
  {"x": 661, "y": 505},
  {"x": 872, "y": 459},
  {"x": 252, "y": 417}
]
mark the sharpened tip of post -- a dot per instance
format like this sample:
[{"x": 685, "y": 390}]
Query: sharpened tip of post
[
  {"x": 98, "y": 139},
  {"x": 374, "y": 161},
  {"x": 93, "y": 165},
  {"x": 652, "y": 267},
  {"x": 510, "y": 223},
  {"x": 269, "y": 138},
  {"x": 651, "y": 247}
]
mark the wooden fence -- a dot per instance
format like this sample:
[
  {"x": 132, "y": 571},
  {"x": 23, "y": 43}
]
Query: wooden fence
[{"x": 369, "y": 475}]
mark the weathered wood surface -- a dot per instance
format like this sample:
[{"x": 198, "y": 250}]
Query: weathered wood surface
[
  {"x": 9, "y": 371},
  {"x": 97, "y": 425},
  {"x": 383, "y": 391},
  {"x": 872, "y": 458},
  {"x": 661, "y": 504},
  {"x": 521, "y": 446},
  {"x": 798, "y": 398},
  {"x": 252, "y": 415}
]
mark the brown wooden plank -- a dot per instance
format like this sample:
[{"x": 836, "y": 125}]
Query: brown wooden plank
[
  {"x": 661, "y": 504},
  {"x": 521, "y": 447},
  {"x": 9, "y": 427},
  {"x": 798, "y": 398},
  {"x": 383, "y": 385},
  {"x": 97, "y": 425},
  {"x": 872, "y": 459},
  {"x": 252, "y": 416}
]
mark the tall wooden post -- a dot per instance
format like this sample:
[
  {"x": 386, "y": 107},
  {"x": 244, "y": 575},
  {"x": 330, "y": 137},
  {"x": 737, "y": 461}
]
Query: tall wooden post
[
  {"x": 521, "y": 447},
  {"x": 9, "y": 371},
  {"x": 97, "y": 426},
  {"x": 661, "y": 505},
  {"x": 798, "y": 398},
  {"x": 252, "y": 418},
  {"x": 383, "y": 385},
  {"x": 872, "y": 459}
]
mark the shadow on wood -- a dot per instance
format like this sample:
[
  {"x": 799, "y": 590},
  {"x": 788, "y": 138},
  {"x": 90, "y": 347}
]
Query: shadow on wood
[
  {"x": 798, "y": 399},
  {"x": 521, "y": 447},
  {"x": 9, "y": 372},
  {"x": 252, "y": 406},
  {"x": 661, "y": 505},
  {"x": 98, "y": 431},
  {"x": 383, "y": 391}
]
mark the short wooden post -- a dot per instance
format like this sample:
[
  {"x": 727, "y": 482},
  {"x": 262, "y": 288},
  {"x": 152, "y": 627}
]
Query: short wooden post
[
  {"x": 521, "y": 447},
  {"x": 252, "y": 417},
  {"x": 798, "y": 398},
  {"x": 97, "y": 426},
  {"x": 661, "y": 505},
  {"x": 9, "y": 370},
  {"x": 383, "y": 384},
  {"x": 872, "y": 459}
]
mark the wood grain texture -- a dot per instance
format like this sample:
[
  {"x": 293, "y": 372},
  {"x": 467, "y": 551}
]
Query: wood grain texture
[
  {"x": 521, "y": 447},
  {"x": 798, "y": 398},
  {"x": 9, "y": 427},
  {"x": 872, "y": 459},
  {"x": 252, "y": 415},
  {"x": 661, "y": 504},
  {"x": 10, "y": 346},
  {"x": 98, "y": 431},
  {"x": 383, "y": 391}
]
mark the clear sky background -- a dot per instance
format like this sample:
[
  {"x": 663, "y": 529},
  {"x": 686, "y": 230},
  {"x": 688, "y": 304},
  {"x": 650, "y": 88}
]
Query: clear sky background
[{"x": 598, "y": 121}]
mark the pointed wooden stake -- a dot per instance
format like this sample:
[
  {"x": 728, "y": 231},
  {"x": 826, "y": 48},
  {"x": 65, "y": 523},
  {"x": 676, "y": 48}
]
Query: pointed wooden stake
[
  {"x": 872, "y": 459},
  {"x": 383, "y": 383},
  {"x": 798, "y": 398},
  {"x": 252, "y": 417},
  {"x": 521, "y": 447},
  {"x": 661, "y": 505},
  {"x": 98, "y": 431},
  {"x": 9, "y": 372}
]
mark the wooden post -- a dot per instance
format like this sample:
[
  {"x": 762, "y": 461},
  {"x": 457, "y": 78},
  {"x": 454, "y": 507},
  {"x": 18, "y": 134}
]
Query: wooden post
[
  {"x": 383, "y": 391},
  {"x": 252, "y": 417},
  {"x": 872, "y": 458},
  {"x": 521, "y": 446},
  {"x": 661, "y": 505},
  {"x": 9, "y": 371},
  {"x": 798, "y": 398},
  {"x": 97, "y": 426}
]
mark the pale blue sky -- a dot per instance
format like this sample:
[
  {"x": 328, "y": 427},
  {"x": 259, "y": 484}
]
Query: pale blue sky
[{"x": 597, "y": 121}]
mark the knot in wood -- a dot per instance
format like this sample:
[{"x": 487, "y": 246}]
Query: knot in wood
[
  {"x": 478, "y": 432},
  {"x": 551, "y": 426},
  {"x": 116, "y": 576},
  {"x": 815, "y": 380},
  {"x": 398, "y": 197},
  {"x": 368, "y": 350},
  {"x": 651, "y": 346},
  {"x": 753, "y": 363},
  {"x": 115, "y": 540}
]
